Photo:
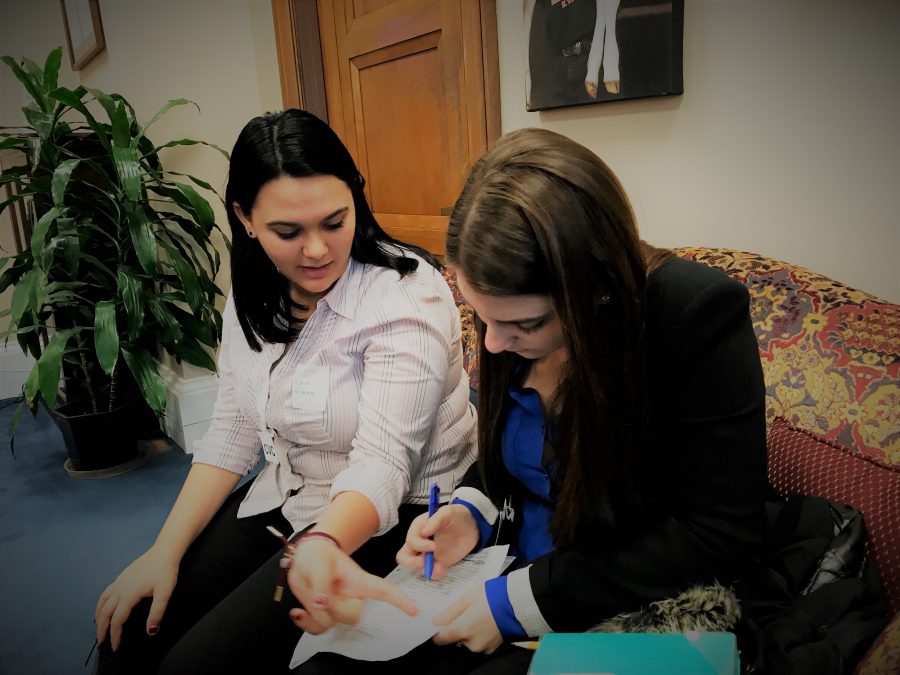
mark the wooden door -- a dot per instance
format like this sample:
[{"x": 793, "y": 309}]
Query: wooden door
[{"x": 412, "y": 88}]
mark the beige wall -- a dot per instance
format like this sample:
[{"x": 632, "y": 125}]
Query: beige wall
[
  {"x": 218, "y": 53},
  {"x": 786, "y": 141}
]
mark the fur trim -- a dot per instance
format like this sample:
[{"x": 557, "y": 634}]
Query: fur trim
[{"x": 710, "y": 608}]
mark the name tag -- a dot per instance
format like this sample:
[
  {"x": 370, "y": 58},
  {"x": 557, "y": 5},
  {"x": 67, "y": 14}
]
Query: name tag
[
  {"x": 310, "y": 388},
  {"x": 267, "y": 438}
]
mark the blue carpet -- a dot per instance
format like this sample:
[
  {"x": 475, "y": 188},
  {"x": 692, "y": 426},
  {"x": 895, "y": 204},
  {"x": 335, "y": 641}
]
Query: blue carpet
[{"x": 64, "y": 540}]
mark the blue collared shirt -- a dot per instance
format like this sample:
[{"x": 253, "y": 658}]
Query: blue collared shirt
[{"x": 523, "y": 449}]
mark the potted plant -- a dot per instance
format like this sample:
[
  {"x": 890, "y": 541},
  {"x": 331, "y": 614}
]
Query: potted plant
[{"x": 120, "y": 263}]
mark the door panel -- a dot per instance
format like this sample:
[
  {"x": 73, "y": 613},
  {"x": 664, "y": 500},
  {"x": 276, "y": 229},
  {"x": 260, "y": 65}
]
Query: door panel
[{"x": 405, "y": 87}]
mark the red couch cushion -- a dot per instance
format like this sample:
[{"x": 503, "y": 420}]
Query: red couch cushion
[{"x": 801, "y": 462}]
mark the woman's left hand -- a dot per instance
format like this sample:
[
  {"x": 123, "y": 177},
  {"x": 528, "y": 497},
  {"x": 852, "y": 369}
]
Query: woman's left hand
[
  {"x": 332, "y": 587},
  {"x": 469, "y": 622}
]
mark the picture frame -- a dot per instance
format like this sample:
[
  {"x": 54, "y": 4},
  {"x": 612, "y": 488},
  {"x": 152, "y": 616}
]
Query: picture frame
[
  {"x": 84, "y": 30},
  {"x": 580, "y": 52}
]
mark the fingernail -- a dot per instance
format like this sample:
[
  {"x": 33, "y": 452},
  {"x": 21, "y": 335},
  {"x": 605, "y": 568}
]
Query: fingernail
[
  {"x": 321, "y": 600},
  {"x": 152, "y": 630}
]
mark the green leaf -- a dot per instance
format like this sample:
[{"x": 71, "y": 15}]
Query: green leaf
[
  {"x": 200, "y": 206},
  {"x": 34, "y": 152},
  {"x": 129, "y": 292},
  {"x": 51, "y": 69},
  {"x": 48, "y": 366},
  {"x": 195, "y": 328},
  {"x": 40, "y": 120},
  {"x": 61, "y": 179},
  {"x": 35, "y": 71},
  {"x": 68, "y": 236},
  {"x": 73, "y": 100},
  {"x": 193, "y": 354},
  {"x": 162, "y": 111},
  {"x": 23, "y": 296},
  {"x": 30, "y": 342},
  {"x": 190, "y": 141},
  {"x": 142, "y": 237},
  {"x": 11, "y": 142},
  {"x": 33, "y": 88},
  {"x": 105, "y": 100},
  {"x": 129, "y": 171},
  {"x": 190, "y": 284},
  {"x": 42, "y": 228},
  {"x": 106, "y": 335},
  {"x": 144, "y": 370},
  {"x": 121, "y": 128},
  {"x": 196, "y": 181},
  {"x": 12, "y": 275},
  {"x": 32, "y": 384},
  {"x": 14, "y": 425},
  {"x": 171, "y": 331}
]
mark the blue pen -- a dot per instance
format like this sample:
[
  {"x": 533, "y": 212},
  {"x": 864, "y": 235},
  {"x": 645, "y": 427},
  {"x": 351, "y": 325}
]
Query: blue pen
[{"x": 434, "y": 496}]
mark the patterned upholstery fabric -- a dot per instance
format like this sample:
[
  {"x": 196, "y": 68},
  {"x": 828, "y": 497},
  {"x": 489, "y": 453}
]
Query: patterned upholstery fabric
[
  {"x": 883, "y": 657},
  {"x": 831, "y": 354},
  {"x": 469, "y": 337},
  {"x": 803, "y": 463},
  {"x": 831, "y": 358}
]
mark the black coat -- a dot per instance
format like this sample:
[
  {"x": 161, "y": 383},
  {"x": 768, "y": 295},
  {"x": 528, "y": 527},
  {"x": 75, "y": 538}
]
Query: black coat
[{"x": 706, "y": 456}]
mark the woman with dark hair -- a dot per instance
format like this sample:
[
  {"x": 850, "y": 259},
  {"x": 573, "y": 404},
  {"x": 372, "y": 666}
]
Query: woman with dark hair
[
  {"x": 341, "y": 361},
  {"x": 620, "y": 413}
]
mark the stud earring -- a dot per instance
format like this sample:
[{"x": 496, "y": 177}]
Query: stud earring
[{"x": 251, "y": 235}]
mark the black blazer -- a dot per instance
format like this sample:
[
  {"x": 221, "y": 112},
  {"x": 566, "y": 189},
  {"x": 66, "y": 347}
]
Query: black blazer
[{"x": 706, "y": 457}]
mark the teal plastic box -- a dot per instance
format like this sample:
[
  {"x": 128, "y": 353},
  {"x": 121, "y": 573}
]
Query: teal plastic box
[{"x": 691, "y": 653}]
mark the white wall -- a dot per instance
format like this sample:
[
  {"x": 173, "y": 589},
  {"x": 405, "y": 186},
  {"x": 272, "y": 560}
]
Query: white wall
[
  {"x": 218, "y": 53},
  {"x": 786, "y": 141}
]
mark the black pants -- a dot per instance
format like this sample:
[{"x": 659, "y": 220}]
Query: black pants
[{"x": 221, "y": 617}]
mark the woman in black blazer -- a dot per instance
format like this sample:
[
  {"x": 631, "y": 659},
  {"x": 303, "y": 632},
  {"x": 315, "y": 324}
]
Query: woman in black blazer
[{"x": 621, "y": 411}]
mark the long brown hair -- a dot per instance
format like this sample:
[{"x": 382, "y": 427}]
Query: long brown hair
[{"x": 542, "y": 215}]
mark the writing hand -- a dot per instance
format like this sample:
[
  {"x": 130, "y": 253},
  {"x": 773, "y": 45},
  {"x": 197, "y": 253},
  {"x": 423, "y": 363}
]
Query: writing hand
[
  {"x": 469, "y": 621},
  {"x": 331, "y": 586},
  {"x": 455, "y": 535}
]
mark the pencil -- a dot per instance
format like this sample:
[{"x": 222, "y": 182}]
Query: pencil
[{"x": 531, "y": 645}]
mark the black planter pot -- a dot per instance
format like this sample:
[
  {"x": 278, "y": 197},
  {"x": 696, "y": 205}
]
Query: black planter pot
[{"x": 99, "y": 444}]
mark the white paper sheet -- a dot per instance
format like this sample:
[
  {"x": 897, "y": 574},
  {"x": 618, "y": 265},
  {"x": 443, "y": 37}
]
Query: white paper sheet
[{"x": 384, "y": 632}]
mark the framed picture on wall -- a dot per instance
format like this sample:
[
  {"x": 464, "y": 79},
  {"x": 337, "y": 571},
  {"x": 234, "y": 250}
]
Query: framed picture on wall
[
  {"x": 84, "y": 30},
  {"x": 595, "y": 51}
]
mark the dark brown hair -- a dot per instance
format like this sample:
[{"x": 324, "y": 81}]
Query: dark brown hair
[
  {"x": 293, "y": 143},
  {"x": 540, "y": 214}
]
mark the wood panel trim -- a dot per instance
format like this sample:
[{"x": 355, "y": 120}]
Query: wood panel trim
[
  {"x": 299, "y": 53},
  {"x": 309, "y": 47},
  {"x": 288, "y": 61},
  {"x": 414, "y": 45},
  {"x": 426, "y": 231},
  {"x": 367, "y": 31},
  {"x": 473, "y": 74},
  {"x": 491, "y": 64}
]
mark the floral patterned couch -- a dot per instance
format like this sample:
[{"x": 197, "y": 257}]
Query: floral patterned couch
[{"x": 831, "y": 359}]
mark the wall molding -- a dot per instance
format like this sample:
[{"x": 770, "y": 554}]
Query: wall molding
[{"x": 189, "y": 406}]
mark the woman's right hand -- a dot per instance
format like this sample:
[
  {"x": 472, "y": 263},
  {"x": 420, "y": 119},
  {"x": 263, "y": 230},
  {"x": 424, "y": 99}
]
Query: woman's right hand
[
  {"x": 153, "y": 575},
  {"x": 455, "y": 536}
]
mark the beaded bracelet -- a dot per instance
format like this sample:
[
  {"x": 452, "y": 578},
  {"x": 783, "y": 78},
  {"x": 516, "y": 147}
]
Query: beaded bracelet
[{"x": 287, "y": 556}]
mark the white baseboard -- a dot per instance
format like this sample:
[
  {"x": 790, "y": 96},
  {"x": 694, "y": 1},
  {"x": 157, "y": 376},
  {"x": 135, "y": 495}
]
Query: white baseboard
[
  {"x": 189, "y": 406},
  {"x": 14, "y": 369}
]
